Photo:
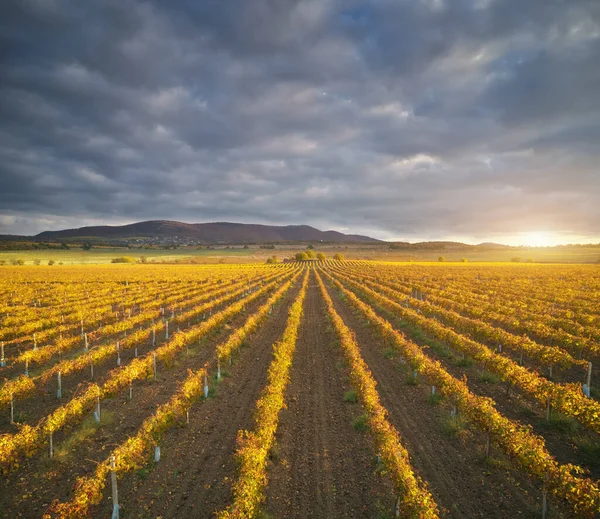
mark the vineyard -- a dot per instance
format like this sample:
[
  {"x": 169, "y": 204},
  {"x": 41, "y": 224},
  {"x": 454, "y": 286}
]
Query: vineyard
[{"x": 309, "y": 389}]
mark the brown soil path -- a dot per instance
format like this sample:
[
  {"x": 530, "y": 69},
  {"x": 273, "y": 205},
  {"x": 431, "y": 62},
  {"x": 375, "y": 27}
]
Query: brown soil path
[
  {"x": 322, "y": 467},
  {"x": 462, "y": 484},
  {"x": 197, "y": 467}
]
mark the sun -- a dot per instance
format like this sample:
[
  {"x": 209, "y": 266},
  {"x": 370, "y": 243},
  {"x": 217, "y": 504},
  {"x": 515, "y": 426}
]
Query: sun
[{"x": 538, "y": 239}]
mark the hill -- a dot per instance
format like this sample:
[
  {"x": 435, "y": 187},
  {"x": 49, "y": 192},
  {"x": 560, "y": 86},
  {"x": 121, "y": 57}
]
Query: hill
[{"x": 208, "y": 233}]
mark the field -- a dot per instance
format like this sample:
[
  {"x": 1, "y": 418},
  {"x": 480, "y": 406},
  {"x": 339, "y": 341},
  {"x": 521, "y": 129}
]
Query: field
[
  {"x": 255, "y": 254},
  {"x": 102, "y": 256},
  {"x": 320, "y": 389}
]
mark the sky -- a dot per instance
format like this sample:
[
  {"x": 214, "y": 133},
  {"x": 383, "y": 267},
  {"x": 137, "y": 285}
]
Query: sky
[{"x": 470, "y": 120}]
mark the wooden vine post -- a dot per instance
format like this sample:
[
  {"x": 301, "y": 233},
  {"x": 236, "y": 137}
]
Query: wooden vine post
[
  {"x": 521, "y": 357},
  {"x": 587, "y": 387},
  {"x": 544, "y": 499},
  {"x": 115, "y": 492},
  {"x": 97, "y": 415}
]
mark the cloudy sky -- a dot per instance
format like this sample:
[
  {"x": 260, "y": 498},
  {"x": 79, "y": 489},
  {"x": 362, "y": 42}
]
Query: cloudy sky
[{"x": 403, "y": 119}]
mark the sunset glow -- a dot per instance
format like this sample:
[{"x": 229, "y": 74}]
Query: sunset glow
[
  {"x": 410, "y": 121},
  {"x": 540, "y": 239}
]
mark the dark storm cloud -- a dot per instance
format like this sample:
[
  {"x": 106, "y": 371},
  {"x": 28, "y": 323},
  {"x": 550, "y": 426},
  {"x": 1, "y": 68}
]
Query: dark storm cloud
[{"x": 429, "y": 118}]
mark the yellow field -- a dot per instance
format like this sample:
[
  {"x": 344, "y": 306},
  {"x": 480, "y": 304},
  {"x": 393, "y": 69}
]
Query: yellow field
[{"x": 495, "y": 365}]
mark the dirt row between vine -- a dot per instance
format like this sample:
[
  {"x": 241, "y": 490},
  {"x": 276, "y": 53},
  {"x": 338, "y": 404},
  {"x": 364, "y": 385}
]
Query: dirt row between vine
[
  {"x": 518, "y": 406},
  {"x": 463, "y": 485},
  {"x": 322, "y": 467},
  {"x": 14, "y": 370},
  {"x": 34, "y": 408},
  {"x": 573, "y": 374},
  {"x": 34, "y": 485},
  {"x": 195, "y": 474}
]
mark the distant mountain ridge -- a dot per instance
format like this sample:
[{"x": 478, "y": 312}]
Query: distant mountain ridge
[{"x": 209, "y": 233}]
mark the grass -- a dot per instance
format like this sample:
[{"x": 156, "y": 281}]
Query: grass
[
  {"x": 389, "y": 353},
  {"x": 441, "y": 350},
  {"x": 434, "y": 399},
  {"x": 144, "y": 472},
  {"x": 525, "y": 412},
  {"x": 382, "y": 511},
  {"x": 464, "y": 362},
  {"x": 590, "y": 450},
  {"x": 456, "y": 427},
  {"x": 495, "y": 462},
  {"x": 488, "y": 378},
  {"x": 360, "y": 423},
  {"x": 237, "y": 254},
  {"x": 274, "y": 453},
  {"x": 224, "y": 374},
  {"x": 560, "y": 423},
  {"x": 351, "y": 396},
  {"x": 77, "y": 256},
  {"x": 89, "y": 426},
  {"x": 411, "y": 380},
  {"x": 418, "y": 335},
  {"x": 212, "y": 389},
  {"x": 21, "y": 416}
]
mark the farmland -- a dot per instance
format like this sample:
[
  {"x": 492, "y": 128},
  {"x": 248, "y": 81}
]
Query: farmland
[
  {"x": 239, "y": 254},
  {"x": 309, "y": 389}
]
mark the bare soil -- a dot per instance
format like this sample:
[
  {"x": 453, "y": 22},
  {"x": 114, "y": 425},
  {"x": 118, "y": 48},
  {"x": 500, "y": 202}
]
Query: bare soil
[
  {"x": 322, "y": 467},
  {"x": 34, "y": 408},
  {"x": 34, "y": 485},
  {"x": 462, "y": 482},
  {"x": 197, "y": 468},
  {"x": 563, "y": 440}
]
